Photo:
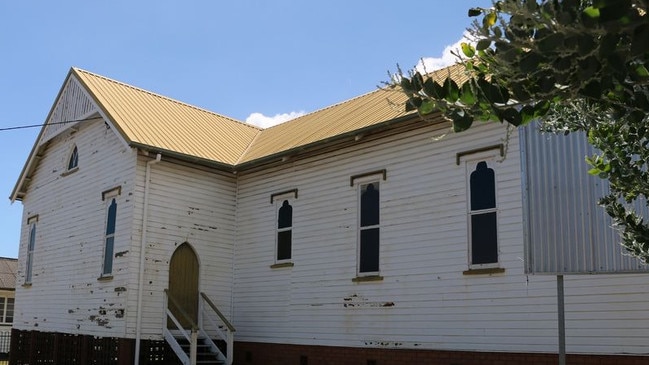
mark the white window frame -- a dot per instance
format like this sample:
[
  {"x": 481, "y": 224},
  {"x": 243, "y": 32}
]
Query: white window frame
[
  {"x": 358, "y": 182},
  {"x": 74, "y": 153},
  {"x": 277, "y": 200},
  {"x": 470, "y": 163},
  {"x": 109, "y": 196},
  {"x": 3, "y": 309},
  {"x": 31, "y": 247}
]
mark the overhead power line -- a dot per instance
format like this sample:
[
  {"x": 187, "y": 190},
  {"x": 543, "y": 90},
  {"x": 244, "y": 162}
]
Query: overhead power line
[{"x": 5, "y": 129}]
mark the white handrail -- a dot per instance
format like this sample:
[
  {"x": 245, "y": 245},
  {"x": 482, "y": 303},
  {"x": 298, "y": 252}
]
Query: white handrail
[
  {"x": 192, "y": 337},
  {"x": 224, "y": 331}
]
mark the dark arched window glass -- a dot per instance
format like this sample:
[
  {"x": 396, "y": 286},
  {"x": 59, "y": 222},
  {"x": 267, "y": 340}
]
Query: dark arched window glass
[
  {"x": 109, "y": 247},
  {"x": 369, "y": 228},
  {"x": 483, "y": 187},
  {"x": 73, "y": 162},
  {"x": 30, "y": 253},
  {"x": 284, "y": 228},
  {"x": 482, "y": 212}
]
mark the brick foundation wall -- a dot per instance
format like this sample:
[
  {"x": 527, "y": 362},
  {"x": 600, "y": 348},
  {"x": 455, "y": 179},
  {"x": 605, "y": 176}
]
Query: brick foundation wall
[{"x": 252, "y": 353}]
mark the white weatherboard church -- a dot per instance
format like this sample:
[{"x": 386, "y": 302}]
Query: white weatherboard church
[{"x": 155, "y": 232}]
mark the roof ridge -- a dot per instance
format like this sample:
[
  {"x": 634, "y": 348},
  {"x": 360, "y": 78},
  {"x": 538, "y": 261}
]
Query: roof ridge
[
  {"x": 448, "y": 69},
  {"x": 76, "y": 69},
  {"x": 326, "y": 108}
]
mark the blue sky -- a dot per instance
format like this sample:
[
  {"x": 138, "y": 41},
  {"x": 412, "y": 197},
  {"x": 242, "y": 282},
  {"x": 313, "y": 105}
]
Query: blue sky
[{"x": 257, "y": 61}]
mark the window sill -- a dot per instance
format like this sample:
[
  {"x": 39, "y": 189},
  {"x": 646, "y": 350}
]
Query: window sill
[
  {"x": 281, "y": 265},
  {"x": 365, "y": 279},
  {"x": 70, "y": 172},
  {"x": 485, "y": 271},
  {"x": 105, "y": 278}
]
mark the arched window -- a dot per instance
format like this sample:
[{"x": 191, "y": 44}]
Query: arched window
[
  {"x": 284, "y": 231},
  {"x": 482, "y": 214},
  {"x": 109, "y": 241},
  {"x": 369, "y": 228},
  {"x": 73, "y": 161},
  {"x": 31, "y": 245}
]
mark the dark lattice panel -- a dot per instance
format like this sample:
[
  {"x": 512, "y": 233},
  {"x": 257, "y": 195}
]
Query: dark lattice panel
[
  {"x": 156, "y": 353},
  {"x": 104, "y": 350},
  {"x": 34, "y": 348},
  {"x": 69, "y": 348}
]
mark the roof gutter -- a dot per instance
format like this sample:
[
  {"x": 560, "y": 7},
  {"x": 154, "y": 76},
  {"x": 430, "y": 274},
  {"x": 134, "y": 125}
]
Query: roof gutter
[
  {"x": 184, "y": 157},
  {"x": 357, "y": 135}
]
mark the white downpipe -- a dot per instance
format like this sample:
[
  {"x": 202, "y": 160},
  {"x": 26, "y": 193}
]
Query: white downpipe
[{"x": 140, "y": 291}]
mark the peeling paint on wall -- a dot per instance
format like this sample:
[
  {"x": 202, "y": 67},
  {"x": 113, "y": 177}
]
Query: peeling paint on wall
[
  {"x": 382, "y": 343},
  {"x": 357, "y": 301},
  {"x": 121, "y": 253}
]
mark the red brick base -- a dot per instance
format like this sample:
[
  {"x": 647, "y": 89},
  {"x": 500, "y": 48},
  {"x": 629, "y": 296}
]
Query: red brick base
[{"x": 252, "y": 353}]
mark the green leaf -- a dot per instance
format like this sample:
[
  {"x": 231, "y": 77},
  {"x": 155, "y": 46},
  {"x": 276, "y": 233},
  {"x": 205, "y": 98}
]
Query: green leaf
[
  {"x": 475, "y": 12},
  {"x": 489, "y": 19},
  {"x": 426, "y": 107},
  {"x": 587, "y": 43},
  {"x": 530, "y": 62},
  {"x": 541, "y": 109},
  {"x": 591, "y": 12},
  {"x": 615, "y": 11},
  {"x": 413, "y": 103},
  {"x": 527, "y": 114},
  {"x": 593, "y": 89},
  {"x": 467, "y": 49},
  {"x": 452, "y": 90},
  {"x": 461, "y": 121},
  {"x": 466, "y": 95},
  {"x": 642, "y": 71},
  {"x": 416, "y": 82},
  {"x": 483, "y": 44},
  {"x": 588, "y": 68},
  {"x": 550, "y": 42},
  {"x": 512, "y": 116},
  {"x": 434, "y": 90},
  {"x": 494, "y": 93},
  {"x": 406, "y": 85}
]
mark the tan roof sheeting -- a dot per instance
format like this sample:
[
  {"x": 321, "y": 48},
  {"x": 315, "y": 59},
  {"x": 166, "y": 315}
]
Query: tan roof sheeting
[
  {"x": 153, "y": 120},
  {"x": 8, "y": 269},
  {"x": 355, "y": 114},
  {"x": 351, "y": 115},
  {"x": 148, "y": 119}
]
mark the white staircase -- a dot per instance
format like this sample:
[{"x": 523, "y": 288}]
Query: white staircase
[{"x": 208, "y": 342}]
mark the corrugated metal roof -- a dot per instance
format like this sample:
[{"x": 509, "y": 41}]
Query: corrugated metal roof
[
  {"x": 358, "y": 113},
  {"x": 8, "y": 269},
  {"x": 150, "y": 119}
]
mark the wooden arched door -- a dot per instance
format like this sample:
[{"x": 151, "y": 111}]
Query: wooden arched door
[{"x": 183, "y": 284}]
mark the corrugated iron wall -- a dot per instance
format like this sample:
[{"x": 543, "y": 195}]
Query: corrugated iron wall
[{"x": 566, "y": 232}]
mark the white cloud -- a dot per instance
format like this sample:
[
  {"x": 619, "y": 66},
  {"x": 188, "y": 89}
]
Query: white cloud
[
  {"x": 263, "y": 121},
  {"x": 428, "y": 64}
]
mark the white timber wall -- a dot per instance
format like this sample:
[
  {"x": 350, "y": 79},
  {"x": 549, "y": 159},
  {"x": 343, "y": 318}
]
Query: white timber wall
[
  {"x": 186, "y": 204},
  {"x": 424, "y": 300},
  {"x": 65, "y": 294}
]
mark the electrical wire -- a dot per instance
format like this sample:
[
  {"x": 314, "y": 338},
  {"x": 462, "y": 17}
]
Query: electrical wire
[{"x": 6, "y": 129}]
